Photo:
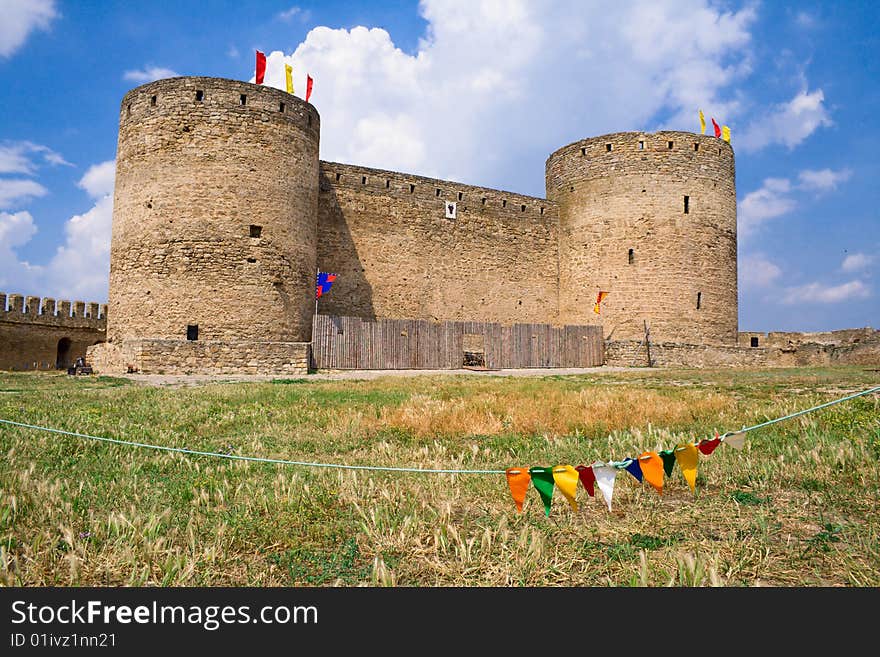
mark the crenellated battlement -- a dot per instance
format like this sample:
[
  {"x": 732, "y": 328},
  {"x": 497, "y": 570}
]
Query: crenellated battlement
[
  {"x": 412, "y": 188},
  {"x": 47, "y": 311}
]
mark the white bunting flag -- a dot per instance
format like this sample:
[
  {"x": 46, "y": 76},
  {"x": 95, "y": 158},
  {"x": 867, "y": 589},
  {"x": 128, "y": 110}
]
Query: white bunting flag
[
  {"x": 605, "y": 475},
  {"x": 735, "y": 440}
]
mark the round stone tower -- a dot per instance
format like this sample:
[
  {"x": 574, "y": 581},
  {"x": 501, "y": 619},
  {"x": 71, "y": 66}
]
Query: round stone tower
[
  {"x": 650, "y": 219},
  {"x": 214, "y": 215}
]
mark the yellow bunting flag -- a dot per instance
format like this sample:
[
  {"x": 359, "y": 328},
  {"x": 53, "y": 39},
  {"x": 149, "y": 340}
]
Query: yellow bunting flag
[
  {"x": 566, "y": 478},
  {"x": 735, "y": 440},
  {"x": 702, "y": 123},
  {"x": 605, "y": 475},
  {"x": 652, "y": 470},
  {"x": 725, "y": 133},
  {"x": 687, "y": 456},
  {"x": 518, "y": 479},
  {"x": 288, "y": 77}
]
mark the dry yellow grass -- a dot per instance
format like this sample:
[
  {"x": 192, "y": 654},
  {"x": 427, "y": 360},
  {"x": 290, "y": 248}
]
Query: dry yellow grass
[{"x": 798, "y": 507}]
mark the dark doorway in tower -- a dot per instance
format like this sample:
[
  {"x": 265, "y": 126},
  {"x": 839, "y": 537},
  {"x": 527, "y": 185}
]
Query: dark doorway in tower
[
  {"x": 62, "y": 359},
  {"x": 474, "y": 351}
]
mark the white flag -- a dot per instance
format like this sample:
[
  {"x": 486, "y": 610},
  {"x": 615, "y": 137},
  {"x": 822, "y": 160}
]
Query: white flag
[
  {"x": 605, "y": 475},
  {"x": 735, "y": 440}
]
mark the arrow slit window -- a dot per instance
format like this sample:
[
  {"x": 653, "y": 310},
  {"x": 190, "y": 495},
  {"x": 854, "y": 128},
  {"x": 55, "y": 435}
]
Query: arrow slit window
[{"x": 450, "y": 209}]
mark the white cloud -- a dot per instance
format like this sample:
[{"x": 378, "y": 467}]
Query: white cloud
[
  {"x": 233, "y": 53},
  {"x": 99, "y": 179},
  {"x": 15, "y": 191},
  {"x": 149, "y": 74},
  {"x": 756, "y": 208},
  {"x": 15, "y": 157},
  {"x": 777, "y": 196},
  {"x": 302, "y": 14},
  {"x": 15, "y": 275},
  {"x": 20, "y": 17},
  {"x": 856, "y": 261},
  {"x": 757, "y": 271},
  {"x": 823, "y": 180},
  {"x": 789, "y": 123},
  {"x": 472, "y": 105},
  {"x": 821, "y": 293},
  {"x": 81, "y": 265}
]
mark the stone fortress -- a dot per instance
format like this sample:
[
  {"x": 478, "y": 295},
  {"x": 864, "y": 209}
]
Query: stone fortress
[{"x": 223, "y": 213}]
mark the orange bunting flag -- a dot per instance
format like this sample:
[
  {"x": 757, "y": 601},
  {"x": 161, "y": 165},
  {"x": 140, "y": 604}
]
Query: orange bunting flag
[
  {"x": 687, "y": 456},
  {"x": 652, "y": 470},
  {"x": 599, "y": 299},
  {"x": 605, "y": 475},
  {"x": 736, "y": 440},
  {"x": 518, "y": 479},
  {"x": 588, "y": 479},
  {"x": 566, "y": 478}
]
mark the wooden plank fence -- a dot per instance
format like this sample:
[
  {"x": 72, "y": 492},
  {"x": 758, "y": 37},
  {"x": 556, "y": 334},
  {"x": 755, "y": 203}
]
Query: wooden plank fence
[{"x": 364, "y": 344}]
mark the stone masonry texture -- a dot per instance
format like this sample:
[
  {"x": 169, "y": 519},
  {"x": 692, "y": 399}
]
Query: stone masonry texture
[
  {"x": 46, "y": 334},
  {"x": 223, "y": 213}
]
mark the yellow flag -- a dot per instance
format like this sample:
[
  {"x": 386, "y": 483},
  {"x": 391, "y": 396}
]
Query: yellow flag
[
  {"x": 566, "y": 478},
  {"x": 725, "y": 134},
  {"x": 288, "y": 76},
  {"x": 687, "y": 456},
  {"x": 702, "y": 123}
]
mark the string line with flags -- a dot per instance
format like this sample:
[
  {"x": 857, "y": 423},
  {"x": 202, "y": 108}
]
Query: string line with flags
[{"x": 650, "y": 466}]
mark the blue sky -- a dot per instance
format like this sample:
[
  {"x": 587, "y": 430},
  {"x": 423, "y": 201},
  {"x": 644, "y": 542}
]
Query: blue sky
[{"x": 480, "y": 92}]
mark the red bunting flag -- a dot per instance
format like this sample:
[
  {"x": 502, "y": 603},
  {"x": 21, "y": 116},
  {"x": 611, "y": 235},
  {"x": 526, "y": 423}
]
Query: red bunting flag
[
  {"x": 261, "y": 67},
  {"x": 308, "y": 86},
  {"x": 708, "y": 446},
  {"x": 717, "y": 128},
  {"x": 588, "y": 478}
]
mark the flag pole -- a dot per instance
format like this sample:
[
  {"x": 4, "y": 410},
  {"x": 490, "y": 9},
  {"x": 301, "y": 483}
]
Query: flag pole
[{"x": 317, "y": 276}]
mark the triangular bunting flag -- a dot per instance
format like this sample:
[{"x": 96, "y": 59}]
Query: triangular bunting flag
[
  {"x": 668, "y": 457},
  {"x": 652, "y": 469},
  {"x": 687, "y": 456},
  {"x": 542, "y": 478},
  {"x": 605, "y": 475},
  {"x": 588, "y": 479},
  {"x": 518, "y": 479},
  {"x": 566, "y": 478},
  {"x": 735, "y": 440},
  {"x": 635, "y": 469},
  {"x": 708, "y": 446}
]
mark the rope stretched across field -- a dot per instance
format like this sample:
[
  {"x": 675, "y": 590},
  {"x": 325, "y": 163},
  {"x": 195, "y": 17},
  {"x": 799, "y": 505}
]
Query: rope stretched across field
[{"x": 382, "y": 468}]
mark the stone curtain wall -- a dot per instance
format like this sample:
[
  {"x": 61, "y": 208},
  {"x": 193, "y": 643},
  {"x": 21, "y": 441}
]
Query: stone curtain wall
[
  {"x": 397, "y": 254},
  {"x": 627, "y": 191},
  {"x": 626, "y": 353},
  {"x": 147, "y": 356},
  {"x": 31, "y": 329},
  {"x": 201, "y": 161}
]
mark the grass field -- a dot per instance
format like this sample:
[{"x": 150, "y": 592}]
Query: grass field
[{"x": 797, "y": 507}]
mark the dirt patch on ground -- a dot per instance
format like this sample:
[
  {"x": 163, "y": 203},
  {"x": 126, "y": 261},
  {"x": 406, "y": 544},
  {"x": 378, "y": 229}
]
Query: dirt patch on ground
[{"x": 339, "y": 375}]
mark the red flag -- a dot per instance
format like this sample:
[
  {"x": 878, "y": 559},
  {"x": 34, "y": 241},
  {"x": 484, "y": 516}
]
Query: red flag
[
  {"x": 261, "y": 67},
  {"x": 308, "y": 86},
  {"x": 717, "y": 128}
]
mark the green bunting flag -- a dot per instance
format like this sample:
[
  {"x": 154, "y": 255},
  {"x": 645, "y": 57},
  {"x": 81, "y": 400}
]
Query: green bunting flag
[
  {"x": 668, "y": 457},
  {"x": 542, "y": 478}
]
